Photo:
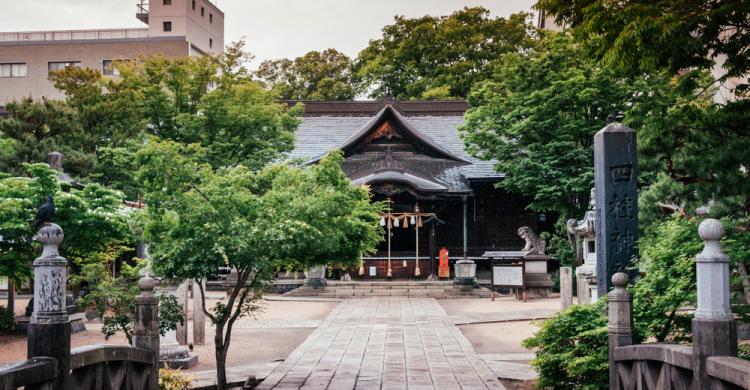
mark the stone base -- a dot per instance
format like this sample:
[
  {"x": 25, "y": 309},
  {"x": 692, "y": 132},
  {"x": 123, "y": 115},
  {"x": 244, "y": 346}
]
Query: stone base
[
  {"x": 180, "y": 363},
  {"x": 538, "y": 286},
  {"x": 468, "y": 282},
  {"x": 77, "y": 323},
  {"x": 315, "y": 282}
]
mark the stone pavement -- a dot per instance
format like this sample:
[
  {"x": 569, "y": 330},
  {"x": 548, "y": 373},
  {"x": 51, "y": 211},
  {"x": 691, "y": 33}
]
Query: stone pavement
[{"x": 384, "y": 343}]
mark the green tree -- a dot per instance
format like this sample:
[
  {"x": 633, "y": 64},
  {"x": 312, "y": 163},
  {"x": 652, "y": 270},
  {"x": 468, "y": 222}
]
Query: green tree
[
  {"x": 253, "y": 221},
  {"x": 316, "y": 75},
  {"x": 35, "y": 128},
  {"x": 90, "y": 217},
  {"x": 113, "y": 295},
  {"x": 537, "y": 117},
  {"x": 640, "y": 36},
  {"x": 700, "y": 138},
  {"x": 439, "y": 56}
]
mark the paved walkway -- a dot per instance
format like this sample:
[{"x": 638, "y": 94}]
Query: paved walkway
[{"x": 384, "y": 343}]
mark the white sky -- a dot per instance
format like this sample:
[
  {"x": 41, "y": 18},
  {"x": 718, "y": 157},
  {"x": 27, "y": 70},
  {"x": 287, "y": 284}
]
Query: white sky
[{"x": 272, "y": 28}]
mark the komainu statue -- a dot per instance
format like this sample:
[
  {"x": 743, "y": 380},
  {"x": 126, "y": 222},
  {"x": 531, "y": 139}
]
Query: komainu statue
[{"x": 534, "y": 245}]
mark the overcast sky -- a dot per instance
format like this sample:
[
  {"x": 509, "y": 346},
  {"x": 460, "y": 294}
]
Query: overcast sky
[{"x": 272, "y": 28}]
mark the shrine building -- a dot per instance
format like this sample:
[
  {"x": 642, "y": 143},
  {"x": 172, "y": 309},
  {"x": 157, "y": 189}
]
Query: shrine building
[{"x": 410, "y": 155}]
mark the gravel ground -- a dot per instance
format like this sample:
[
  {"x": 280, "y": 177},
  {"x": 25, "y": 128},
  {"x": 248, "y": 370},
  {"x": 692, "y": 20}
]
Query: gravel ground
[{"x": 248, "y": 346}]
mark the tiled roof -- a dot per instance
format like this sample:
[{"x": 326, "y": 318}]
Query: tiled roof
[{"x": 316, "y": 135}]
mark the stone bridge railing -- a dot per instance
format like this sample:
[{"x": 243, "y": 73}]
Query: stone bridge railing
[
  {"x": 52, "y": 365},
  {"x": 710, "y": 363}
]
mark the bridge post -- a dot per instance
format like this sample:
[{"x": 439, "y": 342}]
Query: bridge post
[
  {"x": 620, "y": 326},
  {"x": 146, "y": 324},
  {"x": 49, "y": 329},
  {"x": 714, "y": 329}
]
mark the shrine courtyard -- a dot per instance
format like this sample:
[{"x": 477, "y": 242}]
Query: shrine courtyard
[{"x": 378, "y": 342}]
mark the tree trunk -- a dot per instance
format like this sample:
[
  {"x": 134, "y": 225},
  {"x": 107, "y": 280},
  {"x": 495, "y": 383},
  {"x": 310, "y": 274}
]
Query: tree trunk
[
  {"x": 221, "y": 357},
  {"x": 12, "y": 297}
]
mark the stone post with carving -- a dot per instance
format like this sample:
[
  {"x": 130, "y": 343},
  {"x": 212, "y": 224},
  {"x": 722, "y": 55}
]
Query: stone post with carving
[
  {"x": 615, "y": 174},
  {"x": 714, "y": 329},
  {"x": 146, "y": 329},
  {"x": 49, "y": 329},
  {"x": 620, "y": 324}
]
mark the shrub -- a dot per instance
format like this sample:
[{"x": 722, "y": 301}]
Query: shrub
[
  {"x": 744, "y": 351},
  {"x": 572, "y": 348},
  {"x": 7, "y": 322},
  {"x": 173, "y": 380}
]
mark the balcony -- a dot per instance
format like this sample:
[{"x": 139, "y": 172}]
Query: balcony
[{"x": 142, "y": 13}]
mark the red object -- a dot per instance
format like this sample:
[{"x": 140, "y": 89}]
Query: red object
[{"x": 444, "y": 270}]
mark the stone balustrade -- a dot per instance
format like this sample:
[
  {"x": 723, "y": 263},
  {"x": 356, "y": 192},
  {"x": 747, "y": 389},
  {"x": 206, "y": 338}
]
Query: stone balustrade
[
  {"x": 53, "y": 365},
  {"x": 710, "y": 363}
]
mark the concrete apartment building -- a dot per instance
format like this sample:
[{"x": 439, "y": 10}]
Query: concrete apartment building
[{"x": 176, "y": 28}]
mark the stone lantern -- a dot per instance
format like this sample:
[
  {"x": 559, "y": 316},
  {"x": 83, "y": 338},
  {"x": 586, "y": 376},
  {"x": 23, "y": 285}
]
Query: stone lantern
[{"x": 582, "y": 235}]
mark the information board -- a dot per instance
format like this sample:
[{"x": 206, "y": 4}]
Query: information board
[{"x": 507, "y": 275}]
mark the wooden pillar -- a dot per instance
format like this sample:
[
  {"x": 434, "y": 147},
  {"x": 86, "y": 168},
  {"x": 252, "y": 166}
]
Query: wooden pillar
[
  {"x": 12, "y": 297},
  {"x": 146, "y": 325},
  {"x": 433, "y": 267},
  {"x": 566, "y": 287},
  {"x": 466, "y": 222},
  {"x": 714, "y": 329},
  {"x": 199, "y": 317},
  {"x": 620, "y": 326}
]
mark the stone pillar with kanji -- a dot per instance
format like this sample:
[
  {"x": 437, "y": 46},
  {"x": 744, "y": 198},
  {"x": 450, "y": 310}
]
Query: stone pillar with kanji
[{"x": 616, "y": 175}]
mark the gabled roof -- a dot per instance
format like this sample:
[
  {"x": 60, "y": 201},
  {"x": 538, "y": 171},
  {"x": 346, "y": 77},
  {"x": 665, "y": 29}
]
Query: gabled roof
[
  {"x": 389, "y": 114},
  {"x": 328, "y": 124}
]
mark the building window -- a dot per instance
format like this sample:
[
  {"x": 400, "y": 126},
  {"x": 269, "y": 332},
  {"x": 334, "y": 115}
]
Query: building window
[
  {"x": 210, "y": 42},
  {"x": 203, "y": 12},
  {"x": 8, "y": 71},
  {"x": 210, "y": 18},
  {"x": 60, "y": 65},
  {"x": 193, "y": 5},
  {"x": 167, "y": 2},
  {"x": 109, "y": 67},
  {"x": 167, "y": 26}
]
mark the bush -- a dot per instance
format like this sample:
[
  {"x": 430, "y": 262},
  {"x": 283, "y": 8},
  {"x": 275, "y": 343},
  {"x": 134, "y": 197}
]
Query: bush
[
  {"x": 744, "y": 351},
  {"x": 173, "y": 380},
  {"x": 7, "y": 320},
  {"x": 572, "y": 348}
]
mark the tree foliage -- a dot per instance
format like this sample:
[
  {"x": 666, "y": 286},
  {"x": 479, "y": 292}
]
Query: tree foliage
[
  {"x": 700, "y": 138},
  {"x": 316, "y": 75},
  {"x": 90, "y": 217},
  {"x": 439, "y": 55},
  {"x": 253, "y": 221},
  {"x": 641, "y": 36},
  {"x": 537, "y": 116},
  {"x": 113, "y": 295}
]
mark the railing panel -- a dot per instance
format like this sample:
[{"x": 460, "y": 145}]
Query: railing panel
[
  {"x": 673, "y": 354},
  {"x": 37, "y": 374},
  {"x": 731, "y": 372},
  {"x": 111, "y": 367}
]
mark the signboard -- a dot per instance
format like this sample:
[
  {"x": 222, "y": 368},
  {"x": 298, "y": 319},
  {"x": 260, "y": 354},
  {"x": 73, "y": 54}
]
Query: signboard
[
  {"x": 507, "y": 275},
  {"x": 373, "y": 271},
  {"x": 616, "y": 202}
]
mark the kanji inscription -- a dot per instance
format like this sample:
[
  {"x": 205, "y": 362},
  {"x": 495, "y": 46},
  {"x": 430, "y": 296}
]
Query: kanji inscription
[{"x": 616, "y": 202}]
